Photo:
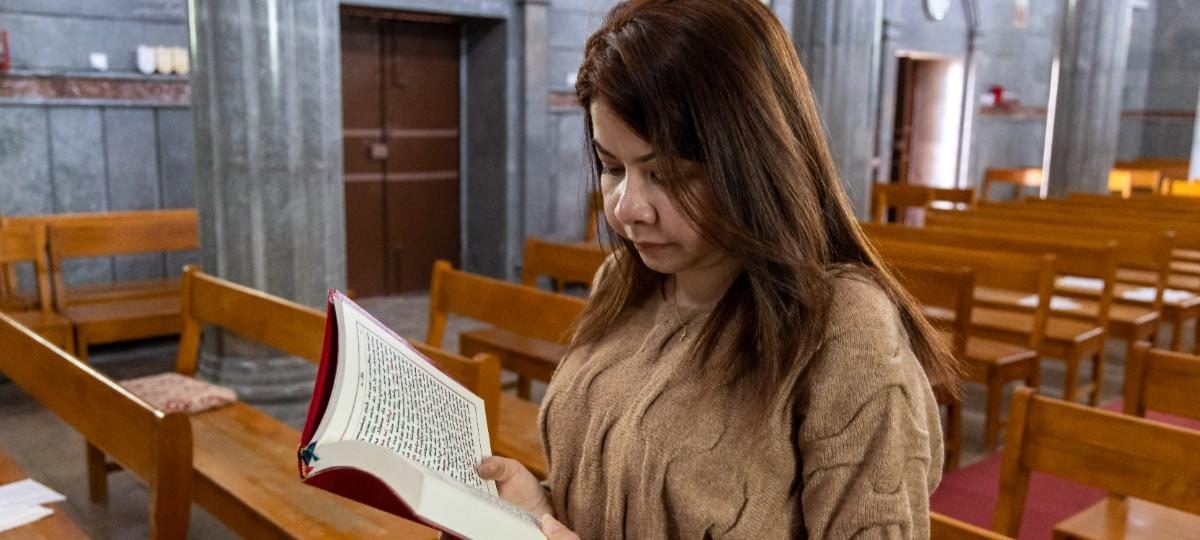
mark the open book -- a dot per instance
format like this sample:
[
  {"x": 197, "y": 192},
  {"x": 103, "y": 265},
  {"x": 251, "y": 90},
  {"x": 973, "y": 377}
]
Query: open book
[{"x": 388, "y": 429}]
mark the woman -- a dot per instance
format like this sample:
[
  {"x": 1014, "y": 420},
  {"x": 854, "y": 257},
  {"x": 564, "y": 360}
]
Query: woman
[{"x": 745, "y": 366}]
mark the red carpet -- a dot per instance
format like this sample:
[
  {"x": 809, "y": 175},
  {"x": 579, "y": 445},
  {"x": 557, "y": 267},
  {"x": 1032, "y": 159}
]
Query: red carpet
[{"x": 970, "y": 493}]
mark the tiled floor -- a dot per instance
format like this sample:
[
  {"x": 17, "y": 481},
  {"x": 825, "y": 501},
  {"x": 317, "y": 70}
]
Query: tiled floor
[{"x": 52, "y": 453}]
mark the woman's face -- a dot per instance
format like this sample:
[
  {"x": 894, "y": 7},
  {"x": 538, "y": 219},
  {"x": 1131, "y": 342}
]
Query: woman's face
[{"x": 638, "y": 206}]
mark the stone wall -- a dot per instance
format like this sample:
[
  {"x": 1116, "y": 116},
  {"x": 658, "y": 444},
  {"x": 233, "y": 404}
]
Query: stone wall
[{"x": 76, "y": 140}]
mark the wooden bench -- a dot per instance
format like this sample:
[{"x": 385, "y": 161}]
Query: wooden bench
[
  {"x": 530, "y": 327},
  {"x": 28, "y": 245},
  {"x": 562, "y": 263},
  {"x": 1124, "y": 455},
  {"x": 990, "y": 363},
  {"x": 93, "y": 292},
  {"x": 1162, "y": 381},
  {"x": 121, "y": 315},
  {"x": 945, "y": 290},
  {"x": 1130, "y": 320},
  {"x": 244, "y": 465},
  {"x": 904, "y": 196},
  {"x": 943, "y": 527},
  {"x": 155, "y": 447},
  {"x": 1019, "y": 177},
  {"x": 1073, "y": 334}
]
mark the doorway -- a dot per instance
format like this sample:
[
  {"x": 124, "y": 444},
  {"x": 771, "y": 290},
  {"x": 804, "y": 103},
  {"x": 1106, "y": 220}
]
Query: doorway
[
  {"x": 400, "y": 114},
  {"x": 925, "y": 137}
]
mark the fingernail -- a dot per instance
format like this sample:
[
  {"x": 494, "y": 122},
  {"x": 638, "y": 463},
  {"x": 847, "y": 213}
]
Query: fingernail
[
  {"x": 487, "y": 467},
  {"x": 549, "y": 524}
]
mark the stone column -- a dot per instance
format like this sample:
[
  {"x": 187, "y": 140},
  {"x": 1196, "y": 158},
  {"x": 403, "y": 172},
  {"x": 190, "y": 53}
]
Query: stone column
[
  {"x": 537, "y": 190},
  {"x": 1093, "y": 49},
  {"x": 1194, "y": 167},
  {"x": 267, "y": 107},
  {"x": 837, "y": 41}
]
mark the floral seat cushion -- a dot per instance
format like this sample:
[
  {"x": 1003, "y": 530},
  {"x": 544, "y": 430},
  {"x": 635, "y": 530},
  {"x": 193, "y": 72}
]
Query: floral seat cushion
[{"x": 172, "y": 392}]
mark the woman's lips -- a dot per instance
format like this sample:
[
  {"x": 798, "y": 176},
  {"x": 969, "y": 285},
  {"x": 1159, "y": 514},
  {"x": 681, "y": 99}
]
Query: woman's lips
[{"x": 649, "y": 246}]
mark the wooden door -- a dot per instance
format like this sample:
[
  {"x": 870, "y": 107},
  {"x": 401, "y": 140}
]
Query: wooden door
[{"x": 401, "y": 115}]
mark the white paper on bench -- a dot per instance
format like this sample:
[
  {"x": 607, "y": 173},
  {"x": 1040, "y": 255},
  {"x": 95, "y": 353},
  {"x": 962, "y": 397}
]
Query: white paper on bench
[
  {"x": 1080, "y": 283},
  {"x": 27, "y": 492},
  {"x": 1146, "y": 294},
  {"x": 1057, "y": 303},
  {"x": 12, "y": 517}
]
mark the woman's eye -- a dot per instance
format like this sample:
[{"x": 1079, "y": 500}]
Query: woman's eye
[{"x": 611, "y": 171}]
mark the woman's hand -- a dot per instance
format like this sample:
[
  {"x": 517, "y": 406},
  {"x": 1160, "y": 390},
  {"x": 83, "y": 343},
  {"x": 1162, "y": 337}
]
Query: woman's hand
[
  {"x": 555, "y": 530},
  {"x": 516, "y": 484}
]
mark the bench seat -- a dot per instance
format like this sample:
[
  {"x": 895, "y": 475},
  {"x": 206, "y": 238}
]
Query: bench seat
[
  {"x": 519, "y": 437},
  {"x": 111, "y": 322},
  {"x": 246, "y": 476},
  {"x": 529, "y": 358}
]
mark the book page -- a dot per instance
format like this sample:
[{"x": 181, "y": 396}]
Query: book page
[
  {"x": 389, "y": 395},
  {"x": 404, "y": 408}
]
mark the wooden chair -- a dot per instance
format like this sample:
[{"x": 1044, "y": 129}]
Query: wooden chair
[
  {"x": 562, "y": 263},
  {"x": 1130, "y": 320},
  {"x": 530, "y": 327},
  {"x": 155, "y": 447},
  {"x": 1020, "y": 178},
  {"x": 945, "y": 293},
  {"x": 1164, "y": 381},
  {"x": 28, "y": 245},
  {"x": 1075, "y": 332},
  {"x": 118, "y": 317},
  {"x": 991, "y": 363},
  {"x": 244, "y": 465},
  {"x": 943, "y": 527},
  {"x": 1176, "y": 311},
  {"x": 1124, "y": 455},
  {"x": 905, "y": 196}
]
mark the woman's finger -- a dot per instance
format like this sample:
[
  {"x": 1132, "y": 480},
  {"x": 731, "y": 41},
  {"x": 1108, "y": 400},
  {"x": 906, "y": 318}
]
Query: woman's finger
[{"x": 499, "y": 469}]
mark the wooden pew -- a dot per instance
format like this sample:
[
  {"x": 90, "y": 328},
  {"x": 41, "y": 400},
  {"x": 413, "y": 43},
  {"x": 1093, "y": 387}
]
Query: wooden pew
[
  {"x": 904, "y": 196},
  {"x": 28, "y": 245},
  {"x": 562, "y": 263},
  {"x": 1127, "y": 456},
  {"x": 119, "y": 317},
  {"x": 1131, "y": 320},
  {"x": 94, "y": 292},
  {"x": 155, "y": 447},
  {"x": 244, "y": 466},
  {"x": 945, "y": 293},
  {"x": 943, "y": 527},
  {"x": 1162, "y": 381},
  {"x": 994, "y": 365},
  {"x": 1073, "y": 334},
  {"x": 530, "y": 327},
  {"x": 1020, "y": 178}
]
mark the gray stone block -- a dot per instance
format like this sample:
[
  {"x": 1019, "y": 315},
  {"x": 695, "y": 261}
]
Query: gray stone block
[
  {"x": 177, "y": 162},
  {"x": 138, "y": 267},
  {"x": 130, "y": 143},
  {"x": 25, "y": 182},
  {"x": 77, "y": 144}
]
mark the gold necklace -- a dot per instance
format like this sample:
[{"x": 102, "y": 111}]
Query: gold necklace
[{"x": 675, "y": 304}]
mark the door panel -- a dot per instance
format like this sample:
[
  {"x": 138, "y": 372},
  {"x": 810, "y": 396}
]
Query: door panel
[
  {"x": 422, "y": 116},
  {"x": 400, "y": 84},
  {"x": 362, "y": 121}
]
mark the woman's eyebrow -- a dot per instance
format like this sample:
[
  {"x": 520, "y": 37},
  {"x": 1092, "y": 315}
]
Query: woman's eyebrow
[{"x": 646, "y": 158}]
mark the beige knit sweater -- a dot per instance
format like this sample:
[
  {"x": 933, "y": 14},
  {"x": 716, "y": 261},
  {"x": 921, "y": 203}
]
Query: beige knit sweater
[{"x": 637, "y": 449}]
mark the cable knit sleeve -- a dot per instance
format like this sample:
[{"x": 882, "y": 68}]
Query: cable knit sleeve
[{"x": 869, "y": 434}]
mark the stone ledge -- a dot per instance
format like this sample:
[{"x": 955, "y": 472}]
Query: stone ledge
[{"x": 93, "y": 89}]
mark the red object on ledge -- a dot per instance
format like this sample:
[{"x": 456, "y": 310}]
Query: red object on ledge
[{"x": 4, "y": 56}]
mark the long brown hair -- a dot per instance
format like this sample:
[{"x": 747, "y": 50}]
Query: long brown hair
[{"x": 719, "y": 83}]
